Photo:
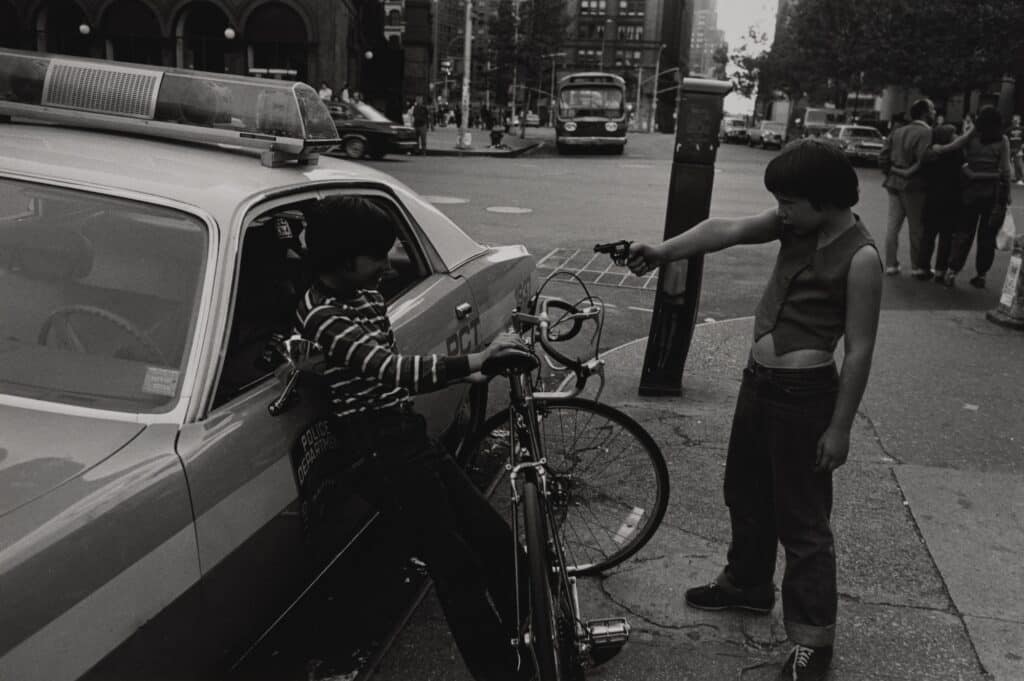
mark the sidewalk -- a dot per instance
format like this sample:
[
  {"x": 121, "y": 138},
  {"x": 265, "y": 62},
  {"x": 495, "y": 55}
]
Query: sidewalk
[
  {"x": 442, "y": 142},
  {"x": 929, "y": 520}
]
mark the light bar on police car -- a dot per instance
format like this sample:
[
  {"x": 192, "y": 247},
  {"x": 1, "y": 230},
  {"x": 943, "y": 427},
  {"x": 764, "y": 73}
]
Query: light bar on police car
[{"x": 286, "y": 120}]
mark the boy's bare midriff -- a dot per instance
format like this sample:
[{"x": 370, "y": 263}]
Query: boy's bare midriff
[{"x": 763, "y": 352}]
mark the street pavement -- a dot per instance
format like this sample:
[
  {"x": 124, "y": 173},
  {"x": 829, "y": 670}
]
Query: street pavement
[
  {"x": 929, "y": 513},
  {"x": 929, "y": 549}
]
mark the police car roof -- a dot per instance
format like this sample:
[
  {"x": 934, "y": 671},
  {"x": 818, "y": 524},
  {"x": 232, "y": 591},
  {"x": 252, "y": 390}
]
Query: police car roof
[{"x": 214, "y": 179}]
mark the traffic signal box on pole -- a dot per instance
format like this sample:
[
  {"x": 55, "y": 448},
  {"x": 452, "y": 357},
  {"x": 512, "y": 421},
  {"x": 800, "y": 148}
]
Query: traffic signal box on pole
[{"x": 698, "y": 118}]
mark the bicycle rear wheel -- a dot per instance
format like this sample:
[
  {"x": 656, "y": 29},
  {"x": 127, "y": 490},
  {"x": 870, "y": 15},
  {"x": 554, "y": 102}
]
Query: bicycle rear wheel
[{"x": 607, "y": 477}]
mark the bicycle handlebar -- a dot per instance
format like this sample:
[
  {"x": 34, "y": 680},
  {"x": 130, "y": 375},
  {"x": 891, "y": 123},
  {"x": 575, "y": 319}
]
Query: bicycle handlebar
[{"x": 542, "y": 321}]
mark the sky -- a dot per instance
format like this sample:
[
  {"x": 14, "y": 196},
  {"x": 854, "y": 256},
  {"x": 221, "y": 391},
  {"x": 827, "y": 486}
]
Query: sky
[{"x": 735, "y": 17}]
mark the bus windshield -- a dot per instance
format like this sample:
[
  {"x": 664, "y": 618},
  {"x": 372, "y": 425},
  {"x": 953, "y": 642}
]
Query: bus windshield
[{"x": 577, "y": 102}]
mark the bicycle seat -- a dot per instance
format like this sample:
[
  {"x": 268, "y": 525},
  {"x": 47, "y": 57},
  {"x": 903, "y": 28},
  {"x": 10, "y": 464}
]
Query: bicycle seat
[{"x": 510, "y": 360}]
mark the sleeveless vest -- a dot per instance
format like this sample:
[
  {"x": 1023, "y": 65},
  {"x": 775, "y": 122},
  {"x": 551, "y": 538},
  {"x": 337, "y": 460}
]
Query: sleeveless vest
[{"x": 804, "y": 304}]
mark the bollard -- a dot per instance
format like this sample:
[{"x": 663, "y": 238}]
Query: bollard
[
  {"x": 698, "y": 117},
  {"x": 1010, "y": 311}
]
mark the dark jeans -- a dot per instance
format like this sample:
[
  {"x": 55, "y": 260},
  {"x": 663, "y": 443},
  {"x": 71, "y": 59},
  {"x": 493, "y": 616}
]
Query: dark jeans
[
  {"x": 941, "y": 217},
  {"x": 421, "y": 137},
  {"x": 983, "y": 217},
  {"x": 465, "y": 542},
  {"x": 774, "y": 494}
]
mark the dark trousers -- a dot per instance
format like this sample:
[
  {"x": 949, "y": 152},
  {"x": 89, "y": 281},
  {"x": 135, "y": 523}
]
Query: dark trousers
[
  {"x": 984, "y": 217},
  {"x": 941, "y": 217},
  {"x": 421, "y": 137},
  {"x": 774, "y": 494},
  {"x": 466, "y": 544}
]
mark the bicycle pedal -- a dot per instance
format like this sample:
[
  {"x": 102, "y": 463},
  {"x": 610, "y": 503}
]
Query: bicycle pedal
[{"x": 607, "y": 637}]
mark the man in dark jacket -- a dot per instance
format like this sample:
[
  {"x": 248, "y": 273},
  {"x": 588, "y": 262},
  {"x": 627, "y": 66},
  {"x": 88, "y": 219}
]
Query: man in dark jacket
[
  {"x": 420, "y": 121},
  {"x": 904, "y": 148}
]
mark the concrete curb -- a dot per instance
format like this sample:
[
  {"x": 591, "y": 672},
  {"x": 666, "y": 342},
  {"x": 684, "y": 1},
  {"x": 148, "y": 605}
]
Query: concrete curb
[{"x": 487, "y": 153}]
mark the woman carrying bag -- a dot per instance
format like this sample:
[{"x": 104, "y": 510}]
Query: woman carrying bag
[{"x": 986, "y": 194}]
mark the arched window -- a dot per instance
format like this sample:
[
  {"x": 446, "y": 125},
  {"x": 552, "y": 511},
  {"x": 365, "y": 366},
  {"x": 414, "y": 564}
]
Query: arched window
[
  {"x": 132, "y": 33},
  {"x": 278, "y": 43},
  {"x": 58, "y": 28},
  {"x": 11, "y": 34},
  {"x": 202, "y": 44}
]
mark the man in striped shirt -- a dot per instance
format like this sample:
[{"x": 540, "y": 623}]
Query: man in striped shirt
[{"x": 463, "y": 540}]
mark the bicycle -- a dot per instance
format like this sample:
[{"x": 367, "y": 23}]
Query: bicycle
[{"x": 587, "y": 483}]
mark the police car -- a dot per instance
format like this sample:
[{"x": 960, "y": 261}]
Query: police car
[{"x": 155, "y": 519}]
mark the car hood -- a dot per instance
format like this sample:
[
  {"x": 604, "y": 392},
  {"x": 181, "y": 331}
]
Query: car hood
[{"x": 40, "y": 450}]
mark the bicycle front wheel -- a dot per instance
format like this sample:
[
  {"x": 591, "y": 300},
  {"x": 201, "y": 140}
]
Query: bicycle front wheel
[
  {"x": 544, "y": 639},
  {"x": 608, "y": 480}
]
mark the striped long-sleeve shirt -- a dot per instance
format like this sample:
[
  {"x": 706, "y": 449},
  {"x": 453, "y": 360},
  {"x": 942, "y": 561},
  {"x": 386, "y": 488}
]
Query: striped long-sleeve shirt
[{"x": 365, "y": 370}]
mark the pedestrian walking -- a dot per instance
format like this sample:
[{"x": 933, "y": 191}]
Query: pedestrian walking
[
  {"x": 1016, "y": 136},
  {"x": 325, "y": 91},
  {"x": 986, "y": 194},
  {"x": 420, "y": 121},
  {"x": 794, "y": 412},
  {"x": 904, "y": 148}
]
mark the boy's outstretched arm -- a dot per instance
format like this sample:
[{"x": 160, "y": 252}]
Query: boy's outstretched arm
[
  {"x": 864, "y": 299},
  {"x": 707, "y": 236}
]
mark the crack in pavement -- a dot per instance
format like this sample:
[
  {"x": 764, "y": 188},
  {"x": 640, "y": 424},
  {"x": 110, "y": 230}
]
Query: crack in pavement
[{"x": 878, "y": 437}]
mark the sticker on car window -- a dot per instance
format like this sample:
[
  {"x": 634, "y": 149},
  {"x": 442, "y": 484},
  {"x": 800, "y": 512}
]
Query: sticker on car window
[{"x": 160, "y": 381}]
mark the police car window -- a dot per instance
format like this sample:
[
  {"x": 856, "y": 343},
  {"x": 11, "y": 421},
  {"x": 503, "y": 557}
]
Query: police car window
[
  {"x": 98, "y": 298},
  {"x": 273, "y": 274}
]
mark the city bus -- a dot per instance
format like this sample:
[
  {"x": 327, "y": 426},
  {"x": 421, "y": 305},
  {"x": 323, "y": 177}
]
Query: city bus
[{"x": 591, "y": 112}]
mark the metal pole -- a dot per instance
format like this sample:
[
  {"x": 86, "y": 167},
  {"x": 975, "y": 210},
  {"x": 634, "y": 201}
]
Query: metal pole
[
  {"x": 434, "y": 65},
  {"x": 551, "y": 97},
  {"x": 654, "y": 98},
  {"x": 515, "y": 55},
  {"x": 639, "y": 82},
  {"x": 467, "y": 56}
]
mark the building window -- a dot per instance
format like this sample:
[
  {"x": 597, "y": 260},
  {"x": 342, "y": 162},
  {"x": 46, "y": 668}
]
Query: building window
[
  {"x": 593, "y": 7},
  {"x": 631, "y": 32},
  {"x": 588, "y": 57},
  {"x": 631, "y": 8}
]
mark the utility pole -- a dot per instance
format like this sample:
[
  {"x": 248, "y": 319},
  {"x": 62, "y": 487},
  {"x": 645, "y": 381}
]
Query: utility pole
[
  {"x": 551, "y": 100},
  {"x": 436, "y": 4},
  {"x": 467, "y": 55},
  {"x": 639, "y": 84},
  {"x": 654, "y": 98},
  {"x": 515, "y": 55}
]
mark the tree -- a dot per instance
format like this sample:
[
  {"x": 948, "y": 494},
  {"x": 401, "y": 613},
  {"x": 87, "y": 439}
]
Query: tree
[
  {"x": 520, "y": 38},
  {"x": 720, "y": 58}
]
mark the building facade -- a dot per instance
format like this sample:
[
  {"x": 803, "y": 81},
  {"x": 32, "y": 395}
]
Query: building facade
[
  {"x": 705, "y": 38},
  {"x": 348, "y": 42}
]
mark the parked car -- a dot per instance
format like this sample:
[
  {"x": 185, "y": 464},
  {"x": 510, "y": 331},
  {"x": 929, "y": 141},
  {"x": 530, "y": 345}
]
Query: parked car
[
  {"x": 817, "y": 121},
  {"x": 858, "y": 142},
  {"x": 532, "y": 120},
  {"x": 767, "y": 134},
  {"x": 155, "y": 519},
  {"x": 733, "y": 130},
  {"x": 364, "y": 131}
]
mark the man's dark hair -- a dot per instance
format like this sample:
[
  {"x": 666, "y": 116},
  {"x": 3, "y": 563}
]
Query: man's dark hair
[
  {"x": 919, "y": 109},
  {"x": 943, "y": 134},
  {"x": 340, "y": 228},
  {"x": 989, "y": 124},
  {"x": 814, "y": 170}
]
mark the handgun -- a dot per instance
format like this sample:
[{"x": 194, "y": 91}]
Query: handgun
[{"x": 618, "y": 250}]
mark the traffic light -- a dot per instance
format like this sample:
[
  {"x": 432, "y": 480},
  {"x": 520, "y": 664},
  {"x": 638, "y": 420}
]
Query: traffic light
[{"x": 446, "y": 67}]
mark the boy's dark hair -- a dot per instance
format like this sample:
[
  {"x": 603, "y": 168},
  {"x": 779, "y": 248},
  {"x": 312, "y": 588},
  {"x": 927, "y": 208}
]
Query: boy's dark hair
[
  {"x": 989, "y": 124},
  {"x": 814, "y": 170},
  {"x": 340, "y": 228},
  {"x": 919, "y": 109}
]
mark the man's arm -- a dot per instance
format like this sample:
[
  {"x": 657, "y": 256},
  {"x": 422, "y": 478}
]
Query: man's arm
[
  {"x": 707, "y": 236},
  {"x": 863, "y": 302},
  {"x": 885, "y": 156}
]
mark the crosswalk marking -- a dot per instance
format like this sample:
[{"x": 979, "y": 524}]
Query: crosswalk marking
[{"x": 587, "y": 266}]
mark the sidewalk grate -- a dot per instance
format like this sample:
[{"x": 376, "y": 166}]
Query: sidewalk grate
[{"x": 588, "y": 267}]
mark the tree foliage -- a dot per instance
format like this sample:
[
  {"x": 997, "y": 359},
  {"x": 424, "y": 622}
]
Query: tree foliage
[
  {"x": 521, "y": 37},
  {"x": 828, "y": 48}
]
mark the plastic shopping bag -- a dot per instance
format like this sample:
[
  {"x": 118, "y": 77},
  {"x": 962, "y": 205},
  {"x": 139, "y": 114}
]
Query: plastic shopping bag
[{"x": 1007, "y": 233}]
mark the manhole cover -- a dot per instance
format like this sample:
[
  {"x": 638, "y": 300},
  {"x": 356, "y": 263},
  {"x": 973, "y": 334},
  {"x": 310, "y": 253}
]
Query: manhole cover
[
  {"x": 514, "y": 210},
  {"x": 445, "y": 200}
]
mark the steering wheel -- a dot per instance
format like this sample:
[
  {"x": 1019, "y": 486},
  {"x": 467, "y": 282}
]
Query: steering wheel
[{"x": 61, "y": 317}]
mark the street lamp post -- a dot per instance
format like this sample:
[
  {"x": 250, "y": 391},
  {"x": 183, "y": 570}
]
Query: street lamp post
[
  {"x": 654, "y": 98},
  {"x": 467, "y": 56},
  {"x": 604, "y": 33},
  {"x": 551, "y": 99}
]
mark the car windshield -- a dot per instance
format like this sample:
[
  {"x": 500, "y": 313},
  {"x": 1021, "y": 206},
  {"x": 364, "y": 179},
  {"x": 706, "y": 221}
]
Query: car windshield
[
  {"x": 773, "y": 127},
  {"x": 605, "y": 102},
  {"x": 99, "y": 297},
  {"x": 865, "y": 133},
  {"x": 368, "y": 112},
  {"x": 736, "y": 123}
]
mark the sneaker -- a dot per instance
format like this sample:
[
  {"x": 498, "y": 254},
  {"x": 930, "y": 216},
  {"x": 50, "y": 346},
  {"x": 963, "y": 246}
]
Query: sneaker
[
  {"x": 806, "y": 664},
  {"x": 717, "y": 596},
  {"x": 921, "y": 275},
  {"x": 978, "y": 282},
  {"x": 894, "y": 270},
  {"x": 950, "y": 278}
]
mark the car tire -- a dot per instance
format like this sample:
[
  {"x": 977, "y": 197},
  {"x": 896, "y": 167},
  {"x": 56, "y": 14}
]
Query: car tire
[{"x": 354, "y": 147}]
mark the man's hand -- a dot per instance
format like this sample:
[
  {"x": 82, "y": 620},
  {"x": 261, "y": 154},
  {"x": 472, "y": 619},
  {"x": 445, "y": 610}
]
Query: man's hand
[
  {"x": 833, "y": 448},
  {"x": 642, "y": 258},
  {"x": 503, "y": 341}
]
